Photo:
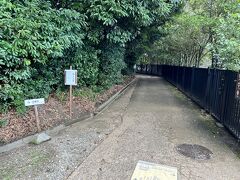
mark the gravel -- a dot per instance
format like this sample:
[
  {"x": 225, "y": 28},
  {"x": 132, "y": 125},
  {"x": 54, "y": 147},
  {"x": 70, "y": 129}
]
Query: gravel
[{"x": 56, "y": 159}]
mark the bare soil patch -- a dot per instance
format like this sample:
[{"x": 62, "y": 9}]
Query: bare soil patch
[{"x": 53, "y": 113}]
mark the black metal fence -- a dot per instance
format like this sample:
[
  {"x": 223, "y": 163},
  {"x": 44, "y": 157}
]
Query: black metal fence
[
  {"x": 213, "y": 89},
  {"x": 150, "y": 69}
]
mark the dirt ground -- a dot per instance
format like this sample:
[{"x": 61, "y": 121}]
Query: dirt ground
[
  {"x": 147, "y": 123},
  {"x": 54, "y": 112}
]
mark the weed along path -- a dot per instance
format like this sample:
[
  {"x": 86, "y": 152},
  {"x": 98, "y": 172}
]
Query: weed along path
[{"x": 151, "y": 122}]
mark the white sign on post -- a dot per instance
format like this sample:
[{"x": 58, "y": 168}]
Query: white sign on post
[
  {"x": 70, "y": 77},
  {"x": 70, "y": 80},
  {"x": 34, "y": 102}
]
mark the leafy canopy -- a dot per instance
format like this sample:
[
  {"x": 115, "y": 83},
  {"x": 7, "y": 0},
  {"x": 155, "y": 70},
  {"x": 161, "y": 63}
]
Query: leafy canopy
[{"x": 102, "y": 39}]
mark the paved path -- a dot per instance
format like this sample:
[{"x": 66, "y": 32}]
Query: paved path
[
  {"x": 146, "y": 123},
  {"x": 157, "y": 119},
  {"x": 56, "y": 159}
]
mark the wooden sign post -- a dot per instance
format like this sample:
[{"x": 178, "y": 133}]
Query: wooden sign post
[
  {"x": 37, "y": 118},
  {"x": 237, "y": 93},
  {"x": 35, "y": 103},
  {"x": 70, "y": 96},
  {"x": 70, "y": 80}
]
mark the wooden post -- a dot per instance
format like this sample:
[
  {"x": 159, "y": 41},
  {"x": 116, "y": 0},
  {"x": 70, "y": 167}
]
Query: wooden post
[
  {"x": 70, "y": 95},
  {"x": 37, "y": 118}
]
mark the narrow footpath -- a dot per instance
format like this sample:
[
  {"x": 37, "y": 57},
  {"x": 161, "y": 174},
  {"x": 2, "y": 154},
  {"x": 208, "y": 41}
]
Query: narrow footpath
[
  {"x": 158, "y": 119},
  {"x": 147, "y": 123}
]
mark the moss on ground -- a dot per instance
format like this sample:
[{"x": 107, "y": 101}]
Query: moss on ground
[
  {"x": 178, "y": 94},
  {"x": 7, "y": 174},
  {"x": 208, "y": 122},
  {"x": 38, "y": 158},
  {"x": 33, "y": 161}
]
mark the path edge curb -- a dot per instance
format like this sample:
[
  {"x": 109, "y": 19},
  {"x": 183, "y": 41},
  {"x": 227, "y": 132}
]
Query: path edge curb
[
  {"x": 24, "y": 141},
  {"x": 106, "y": 104}
]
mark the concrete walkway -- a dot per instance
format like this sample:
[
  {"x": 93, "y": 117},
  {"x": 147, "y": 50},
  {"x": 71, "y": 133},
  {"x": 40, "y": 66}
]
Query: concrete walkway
[
  {"x": 157, "y": 119},
  {"x": 147, "y": 123}
]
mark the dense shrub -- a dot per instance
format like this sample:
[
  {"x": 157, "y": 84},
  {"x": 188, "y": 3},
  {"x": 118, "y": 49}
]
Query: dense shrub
[
  {"x": 112, "y": 62},
  {"x": 87, "y": 63},
  {"x": 39, "y": 39},
  {"x": 32, "y": 34}
]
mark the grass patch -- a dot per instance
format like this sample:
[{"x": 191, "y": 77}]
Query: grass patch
[
  {"x": 61, "y": 95},
  {"x": 85, "y": 93},
  {"x": 3, "y": 123}
]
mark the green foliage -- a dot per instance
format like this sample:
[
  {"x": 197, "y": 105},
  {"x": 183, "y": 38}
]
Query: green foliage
[
  {"x": 100, "y": 38},
  {"x": 31, "y": 36},
  {"x": 206, "y": 33},
  {"x": 85, "y": 93},
  {"x": 112, "y": 62},
  {"x": 3, "y": 123},
  {"x": 141, "y": 48},
  {"x": 61, "y": 95},
  {"x": 227, "y": 44},
  {"x": 122, "y": 24},
  {"x": 87, "y": 63},
  {"x": 186, "y": 40}
]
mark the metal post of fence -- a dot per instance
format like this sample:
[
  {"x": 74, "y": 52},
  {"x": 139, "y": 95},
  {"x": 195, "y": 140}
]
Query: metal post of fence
[
  {"x": 224, "y": 80},
  {"x": 207, "y": 92},
  {"x": 192, "y": 81},
  {"x": 183, "y": 79},
  {"x": 177, "y": 81}
]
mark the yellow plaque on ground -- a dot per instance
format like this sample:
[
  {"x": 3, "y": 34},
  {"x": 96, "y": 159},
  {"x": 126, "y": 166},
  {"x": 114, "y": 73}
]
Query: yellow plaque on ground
[{"x": 150, "y": 171}]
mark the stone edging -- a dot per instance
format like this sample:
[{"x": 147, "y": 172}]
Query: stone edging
[{"x": 55, "y": 130}]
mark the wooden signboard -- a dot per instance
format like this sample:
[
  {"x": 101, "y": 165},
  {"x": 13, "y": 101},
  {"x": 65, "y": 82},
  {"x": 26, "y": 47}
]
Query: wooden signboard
[
  {"x": 237, "y": 94},
  {"x": 70, "y": 79},
  {"x": 35, "y": 103}
]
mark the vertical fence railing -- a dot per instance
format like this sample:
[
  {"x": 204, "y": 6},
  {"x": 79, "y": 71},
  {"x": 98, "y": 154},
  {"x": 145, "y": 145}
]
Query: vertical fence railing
[{"x": 212, "y": 89}]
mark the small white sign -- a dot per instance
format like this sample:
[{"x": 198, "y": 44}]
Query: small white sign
[
  {"x": 70, "y": 77},
  {"x": 33, "y": 102}
]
